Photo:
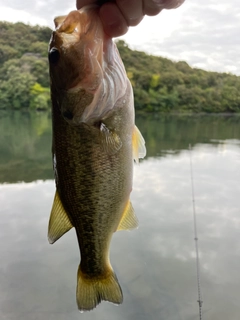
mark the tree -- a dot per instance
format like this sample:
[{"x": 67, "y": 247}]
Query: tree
[
  {"x": 15, "y": 91},
  {"x": 39, "y": 97},
  {"x": 159, "y": 84}
]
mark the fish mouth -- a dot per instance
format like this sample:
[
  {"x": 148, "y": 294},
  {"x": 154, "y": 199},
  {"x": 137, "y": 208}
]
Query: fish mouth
[
  {"x": 79, "y": 32},
  {"x": 73, "y": 25}
]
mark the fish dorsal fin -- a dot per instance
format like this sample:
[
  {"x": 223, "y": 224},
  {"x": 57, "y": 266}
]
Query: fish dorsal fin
[
  {"x": 110, "y": 140},
  {"x": 59, "y": 222},
  {"x": 129, "y": 220},
  {"x": 139, "y": 149}
]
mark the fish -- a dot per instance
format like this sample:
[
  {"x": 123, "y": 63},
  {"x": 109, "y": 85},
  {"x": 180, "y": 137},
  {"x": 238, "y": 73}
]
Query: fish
[{"x": 94, "y": 145}]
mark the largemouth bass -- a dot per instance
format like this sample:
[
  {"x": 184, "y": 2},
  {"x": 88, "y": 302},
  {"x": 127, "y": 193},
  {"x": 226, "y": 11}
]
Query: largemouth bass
[{"x": 95, "y": 142}]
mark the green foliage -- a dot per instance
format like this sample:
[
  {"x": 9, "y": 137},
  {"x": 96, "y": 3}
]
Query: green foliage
[
  {"x": 159, "y": 84},
  {"x": 24, "y": 66},
  {"x": 39, "y": 97},
  {"x": 21, "y": 37},
  {"x": 7, "y": 52},
  {"x": 14, "y": 91},
  {"x": 155, "y": 81}
]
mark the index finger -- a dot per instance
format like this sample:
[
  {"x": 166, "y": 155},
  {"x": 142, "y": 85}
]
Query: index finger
[
  {"x": 82, "y": 3},
  {"x": 172, "y": 4}
]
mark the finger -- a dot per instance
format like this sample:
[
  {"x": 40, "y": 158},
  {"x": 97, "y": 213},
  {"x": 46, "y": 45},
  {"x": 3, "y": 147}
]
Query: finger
[
  {"x": 114, "y": 23},
  {"x": 82, "y": 3},
  {"x": 131, "y": 10},
  {"x": 153, "y": 7},
  {"x": 172, "y": 4}
]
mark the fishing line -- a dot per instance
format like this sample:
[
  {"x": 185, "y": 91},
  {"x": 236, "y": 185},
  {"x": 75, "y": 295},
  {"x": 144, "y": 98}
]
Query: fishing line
[{"x": 200, "y": 300}]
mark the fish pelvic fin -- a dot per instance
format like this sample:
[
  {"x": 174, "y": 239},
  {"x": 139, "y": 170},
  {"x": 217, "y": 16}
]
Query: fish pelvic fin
[
  {"x": 129, "y": 219},
  {"x": 59, "y": 222},
  {"x": 138, "y": 142},
  {"x": 92, "y": 290}
]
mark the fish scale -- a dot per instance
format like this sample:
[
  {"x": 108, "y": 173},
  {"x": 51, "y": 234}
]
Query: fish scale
[
  {"x": 95, "y": 142},
  {"x": 84, "y": 185}
]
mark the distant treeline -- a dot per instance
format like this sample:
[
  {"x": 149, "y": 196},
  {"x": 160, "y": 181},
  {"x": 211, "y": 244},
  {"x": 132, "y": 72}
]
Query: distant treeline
[{"x": 159, "y": 84}]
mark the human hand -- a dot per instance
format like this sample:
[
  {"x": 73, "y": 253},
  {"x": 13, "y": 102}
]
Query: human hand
[{"x": 118, "y": 15}]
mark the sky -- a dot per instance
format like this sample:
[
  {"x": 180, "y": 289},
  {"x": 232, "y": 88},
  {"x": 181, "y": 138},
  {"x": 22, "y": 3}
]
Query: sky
[{"x": 204, "y": 33}]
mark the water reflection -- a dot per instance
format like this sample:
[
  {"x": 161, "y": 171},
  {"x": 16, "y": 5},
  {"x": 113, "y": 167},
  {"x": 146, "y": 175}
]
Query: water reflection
[
  {"x": 156, "y": 263},
  {"x": 25, "y": 139},
  {"x": 25, "y": 144}
]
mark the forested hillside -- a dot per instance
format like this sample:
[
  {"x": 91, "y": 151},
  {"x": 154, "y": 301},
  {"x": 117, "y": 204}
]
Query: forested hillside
[
  {"x": 162, "y": 85},
  {"x": 24, "y": 79},
  {"x": 159, "y": 84}
]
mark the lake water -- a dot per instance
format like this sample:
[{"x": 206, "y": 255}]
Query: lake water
[{"x": 155, "y": 264}]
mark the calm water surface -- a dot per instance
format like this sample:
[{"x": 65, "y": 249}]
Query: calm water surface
[{"x": 155, "y": 264}]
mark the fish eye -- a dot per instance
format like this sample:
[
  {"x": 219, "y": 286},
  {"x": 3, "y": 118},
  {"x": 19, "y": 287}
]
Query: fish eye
[
  {"x": 68, "y": 115},
  {"x": 53, "y": 55}
]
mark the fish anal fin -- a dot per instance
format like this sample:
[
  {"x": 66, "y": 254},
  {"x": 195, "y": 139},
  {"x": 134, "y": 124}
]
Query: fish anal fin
[
  {"x": 138, "y": 142},
  {"x": 59, "y": 222},
  {"x": 92, "y": 290},
  {"x": 110, "y": 140},
  {"x": 129, "y": 219}
]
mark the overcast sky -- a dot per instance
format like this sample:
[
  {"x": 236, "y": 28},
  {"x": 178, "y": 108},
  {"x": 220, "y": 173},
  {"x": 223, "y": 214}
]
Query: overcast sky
[{"x": 205, "y": 33}]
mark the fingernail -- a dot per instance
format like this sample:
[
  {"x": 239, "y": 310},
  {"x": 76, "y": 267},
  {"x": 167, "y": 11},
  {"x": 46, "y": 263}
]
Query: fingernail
[{"x": 168, "y": 4}]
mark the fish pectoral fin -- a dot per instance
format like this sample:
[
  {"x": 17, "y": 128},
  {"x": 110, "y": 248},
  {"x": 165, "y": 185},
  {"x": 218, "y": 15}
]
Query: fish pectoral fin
[
  {"x": 110, "y": 140},
  {"x": 138, "y": 142},
  {"x": 129, "y": 219},
  {"x": 59, "y": 222}
]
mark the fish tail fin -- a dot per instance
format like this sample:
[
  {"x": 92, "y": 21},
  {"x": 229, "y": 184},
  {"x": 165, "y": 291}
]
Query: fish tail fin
[{"x": 91, "y": 291}]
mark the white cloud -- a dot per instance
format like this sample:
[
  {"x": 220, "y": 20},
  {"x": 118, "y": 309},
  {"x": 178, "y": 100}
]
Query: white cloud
[
  {"x": 204, "y": 33},
  {"x": 16, "y": 15}
]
